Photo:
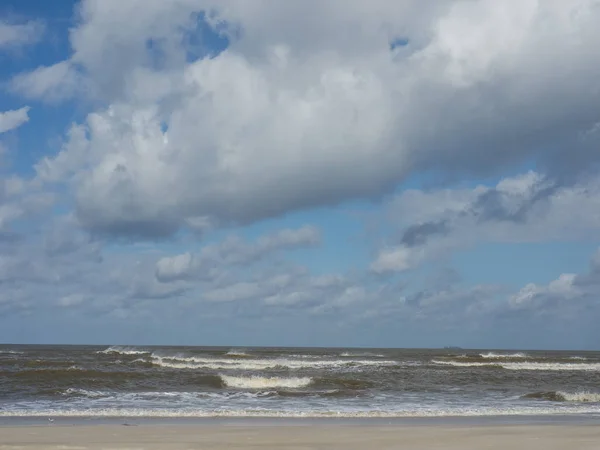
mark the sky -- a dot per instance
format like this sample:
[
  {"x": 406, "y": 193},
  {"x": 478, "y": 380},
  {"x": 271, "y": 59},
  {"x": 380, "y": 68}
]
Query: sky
[{"x": 300, "y": 173}]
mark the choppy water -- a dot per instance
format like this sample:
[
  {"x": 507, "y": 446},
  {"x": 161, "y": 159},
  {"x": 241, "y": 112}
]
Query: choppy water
[{"x": 289, "y": 382}]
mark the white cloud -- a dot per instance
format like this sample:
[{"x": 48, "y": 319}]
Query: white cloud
[
  {"x": 234, "y": 292},
  {"x": 71, "y": 300},
  {"x": 562, "y": 287},
  {"x": 53, "y": 83},
  {"x": 18, "y": 200},
  {"x": 523, "y": 208},
  {"x": 16, "y": 35},
  {"x": 569, "y": 292},
  {"x": 9, "y": 120},
  {"x": 396, "y": 259},
  {"x": 175, "y": 267},
  {"x": 277, "y": 292},
  {"x": 306, "y": 110},
  {"x": 233, "y": 251}
]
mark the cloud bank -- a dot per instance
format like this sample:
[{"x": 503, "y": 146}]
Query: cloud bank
[{"x": 207, "y": 118}]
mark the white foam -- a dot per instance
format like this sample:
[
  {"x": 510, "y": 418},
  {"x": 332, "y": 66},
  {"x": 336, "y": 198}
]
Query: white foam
[
  {"x": 193, "y": 362},
  {"x": 492, "y": 355},
  {"x": 178, "y": 396},
  {"x": 305, "y": 356},
  {"x": 177, "y": 365},
  {"x": 237, "y": 395},
  {"x": 256, "y": 382},
  {"x": 236, "y": 352},
  {"x": 140, "y": 360},
  {"x": 123, "y": 350},
  {"x": 270, "y": 413},
  {"x": 580, "y": 397},
  {"x": 589, "y": 367},
  {"x": 86, "y": 393},
  {"x": 361, "y": 354},
  {"x": 464, "y": 364},
  {"x": 10, "y": 352}
]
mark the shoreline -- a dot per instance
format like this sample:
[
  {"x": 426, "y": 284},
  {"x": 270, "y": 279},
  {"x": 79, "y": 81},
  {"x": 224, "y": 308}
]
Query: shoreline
[
  {"x": 305, "y": 436},
  {"x": 454, "y": 421}
]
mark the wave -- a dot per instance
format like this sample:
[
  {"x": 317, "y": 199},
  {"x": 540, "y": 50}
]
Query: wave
[
  {"x": 193, "y": 362},
  {"x": 289, "y": 413},
  {"x": 361, "y": 355},
  {"x": 84, "y": 393},
  {"x": 256, "y": 382},
  {"x": 209, "y": 383},
  {"x": 297, "y": 356},
  {"x": 466, "y": 364},
  {"x": 136, "y": 396},
  {"x": 141, "y": 362},
  {"x": 237, "y": 353},
  {"x": 492, "y": 355},
  {"x": 51, "y": 370},
  {"x": 49, "y": 363},
  {"x": 11, "y": 352},
  {"x": 588, "y": 367},
  {"x": 123, "y": 350},
  {"x": 346, "y": 384},
  {"x": 559, "y": 396},
  {"x": 181, "y": 397},
  {"x": 69, "y": 376}
]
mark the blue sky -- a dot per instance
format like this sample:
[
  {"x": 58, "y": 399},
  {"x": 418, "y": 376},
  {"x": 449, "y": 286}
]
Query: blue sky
[{"x": 300, "y": 173}]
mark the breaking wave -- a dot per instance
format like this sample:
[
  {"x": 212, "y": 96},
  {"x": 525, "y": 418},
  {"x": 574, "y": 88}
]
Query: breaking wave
[
  {"x": 193, "y": 362},
  {"x": 361, "y": 355},
  {"x": 589, "y": 367},
  {"x": 290, "y": 413},
  {"x": 559, "y": 396},
  {"x": 11, "y": 352},
  {"x": 117, "y": 349},
  {"x": 187, "y": 398},
  {"x": 85, "y": 393},
  {"x": 237, "y": 353},
  {"x": 492, "y": 355},
  {"x": 256, "y": 382}
]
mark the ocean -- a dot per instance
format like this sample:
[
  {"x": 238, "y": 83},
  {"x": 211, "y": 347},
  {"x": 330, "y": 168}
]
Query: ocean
[{"x": 126, "y": 381}]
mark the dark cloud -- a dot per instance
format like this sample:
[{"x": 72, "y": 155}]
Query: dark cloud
[
  {"x": 10, "y": 237},
  {"x": 128, "y": 226},
  {"x": 497, "y": 205},
  {"x": 418, "y": 234}
]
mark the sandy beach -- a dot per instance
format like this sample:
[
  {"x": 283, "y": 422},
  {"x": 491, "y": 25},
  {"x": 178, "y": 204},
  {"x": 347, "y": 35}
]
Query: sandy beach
[{"x": 301, "y": 437}]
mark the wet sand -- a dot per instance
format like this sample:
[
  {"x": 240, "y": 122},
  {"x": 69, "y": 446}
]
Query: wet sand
[{"x": 301, "y": 437}]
